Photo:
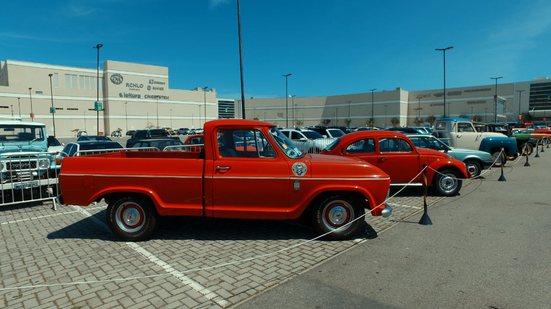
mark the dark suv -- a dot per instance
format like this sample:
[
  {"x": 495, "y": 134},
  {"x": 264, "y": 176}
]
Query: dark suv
[{"x": 148, "y": 134}]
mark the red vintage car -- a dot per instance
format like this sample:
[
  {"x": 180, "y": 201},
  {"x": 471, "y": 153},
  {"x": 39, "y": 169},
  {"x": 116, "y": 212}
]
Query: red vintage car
[
  {"x": 397, "y": 156},
  {"x": 247, "y": 169}
]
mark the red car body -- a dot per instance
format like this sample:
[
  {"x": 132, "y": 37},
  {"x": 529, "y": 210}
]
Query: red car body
[
  {"x": 251, "y": 184},
  {"x": 397, "y": 156}
]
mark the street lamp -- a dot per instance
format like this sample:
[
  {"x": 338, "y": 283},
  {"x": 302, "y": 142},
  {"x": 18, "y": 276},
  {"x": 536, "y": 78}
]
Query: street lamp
[
  {"x": 443, "y": 50},
  {"x": 372, "y": 105},
  {"x": 293, "y": 108},
  {"x": 205, "y": 102},
  {"x": 52, "y": 109},
  {"x": 126, "y": 115},
  {"x": 171, "y": 118},
  {"x": 287, "y": 98},
  {"x": 240, "y": 58},
  {"x": 495, "y": 97},
  {"x": 349, "y": 120},
  {"x": 157, "y": 113},
  {"x": 97, "y": 104},
  {"x": 31, "y": 100},
  {"x": 19, "y": 105},
  {"x": 519, "y": 102}
]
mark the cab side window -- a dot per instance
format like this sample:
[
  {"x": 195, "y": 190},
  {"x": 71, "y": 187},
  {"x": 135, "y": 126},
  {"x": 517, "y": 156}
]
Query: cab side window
[
  {"x": 244, "y": 144},
  {"x": 465, "y": 127}
]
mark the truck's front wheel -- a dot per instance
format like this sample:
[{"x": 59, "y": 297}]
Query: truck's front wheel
[
  {"x": 337, "y": 214},
  {"x": 132, "y": 218}
]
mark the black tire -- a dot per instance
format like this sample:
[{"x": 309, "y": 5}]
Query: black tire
[
  {"x": 447, "y": 183},
  {"x": 132, "y": 218},
  {"x": 495, "y": 154},
  {"x": 336, "y": 211},
  {"x": 474, "y": 167}
]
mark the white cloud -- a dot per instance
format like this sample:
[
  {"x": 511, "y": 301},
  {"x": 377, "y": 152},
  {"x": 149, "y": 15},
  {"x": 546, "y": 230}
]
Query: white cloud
[{"x": 216, "y": 3}]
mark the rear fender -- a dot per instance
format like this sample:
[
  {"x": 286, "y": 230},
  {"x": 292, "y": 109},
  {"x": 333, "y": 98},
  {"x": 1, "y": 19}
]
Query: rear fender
[
  {"x": 122, "y": 190},
  {"x": 491, "y": 144}
]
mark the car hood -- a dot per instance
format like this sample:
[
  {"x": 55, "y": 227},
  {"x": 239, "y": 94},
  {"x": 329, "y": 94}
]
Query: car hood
[{"x": 342, "y": 167}]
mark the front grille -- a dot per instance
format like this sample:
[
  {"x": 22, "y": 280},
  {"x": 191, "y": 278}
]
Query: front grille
[{"x": 21, "y": 165}]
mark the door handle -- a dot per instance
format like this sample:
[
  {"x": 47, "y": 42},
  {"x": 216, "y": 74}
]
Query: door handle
[
  {"x": 382, "y": 159},
  {"x": 222, "y": 168}
]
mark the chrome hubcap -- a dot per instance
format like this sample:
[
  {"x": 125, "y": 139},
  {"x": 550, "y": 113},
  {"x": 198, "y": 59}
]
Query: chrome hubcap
[
  {"x": 130, "y": 217},
  {"x": 337, "y": 213},
  {"x": 448, "y": 183}
]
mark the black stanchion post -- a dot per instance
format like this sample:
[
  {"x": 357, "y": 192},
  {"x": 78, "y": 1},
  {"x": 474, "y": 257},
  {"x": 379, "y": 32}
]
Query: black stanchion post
[
  {"x": 537, "y": 149},
  {"x": 425, "y": 219},
  {"x": 502, "y": 158},
  {"x": 525, "y": 152},
  {"x": 547, "y": 142},
  {"x": 542, "y": 150}
]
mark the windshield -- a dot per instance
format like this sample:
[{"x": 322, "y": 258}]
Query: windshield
[
  {"x": 20, "y": 133},
  {"x": 333, "y": 144},
  {"x": 429, "y": 142},
  {"x": 286, "y": 145},
  {"x": 336, "y": 132},
  {"x": 312, "y": 134}
]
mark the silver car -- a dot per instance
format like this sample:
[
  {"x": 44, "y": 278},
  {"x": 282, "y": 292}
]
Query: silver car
[{"x": 307, "y": 140}]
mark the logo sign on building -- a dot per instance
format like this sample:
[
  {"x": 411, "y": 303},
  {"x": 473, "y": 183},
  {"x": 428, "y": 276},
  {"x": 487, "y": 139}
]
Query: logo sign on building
[{"x": 116, "y": 79}]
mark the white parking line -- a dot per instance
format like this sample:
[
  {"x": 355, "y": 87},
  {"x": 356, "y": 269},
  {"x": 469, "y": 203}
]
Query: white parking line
[
  {"x": 210, "y": 295},
  {"x": 38, "y": 217},
  {"x": 406, "y": 206}
]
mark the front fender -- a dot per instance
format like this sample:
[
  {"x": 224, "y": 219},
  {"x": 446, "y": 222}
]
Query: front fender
[
  {"x": 489, "y": 144},
  {"x": 446, "y": 164}
]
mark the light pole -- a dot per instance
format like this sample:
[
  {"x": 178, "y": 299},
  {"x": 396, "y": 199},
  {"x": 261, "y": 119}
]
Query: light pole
[
  {"x": 336, "y": 115},
  {"x": 495, "y": 97},
  {"x": 97, "y": 104},
  {"x": 240, "y": 58},
  {"x": 287, "y": 98},
  {"x": 52, "y": 109},
  {"x": 171, "y": 118},
  {"x": 293, "y": 108},
  {"x": 126, "y": 115},
  {"x": 19, "y": 105},
  {"x": 419, "y": 108},
  {"x": 31, "y": 100},
  {"x": 205, "y": 102},
  {"x": 443, "y": 50},
  {"x": 372, "y": 106},
  {"x": 11, "y": 106},
  {"x": 349, "y": 120},
  {"x": 519, "y": 97},
  {"x": 157, "y": 113}
]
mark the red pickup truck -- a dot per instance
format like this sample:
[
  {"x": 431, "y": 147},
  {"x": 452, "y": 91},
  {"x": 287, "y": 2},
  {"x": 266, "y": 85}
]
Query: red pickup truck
[{"x": 247, "y": 169}]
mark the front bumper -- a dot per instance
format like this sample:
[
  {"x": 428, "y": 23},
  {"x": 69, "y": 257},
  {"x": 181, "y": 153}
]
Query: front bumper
[{"x": 387, "y": 211}]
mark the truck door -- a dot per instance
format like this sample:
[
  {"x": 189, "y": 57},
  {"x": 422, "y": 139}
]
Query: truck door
[
  {"x": 247, "y": 179},
  {"x": 466, "y": 136}
]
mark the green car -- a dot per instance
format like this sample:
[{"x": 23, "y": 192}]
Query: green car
[{"x": 475, "y": 160}]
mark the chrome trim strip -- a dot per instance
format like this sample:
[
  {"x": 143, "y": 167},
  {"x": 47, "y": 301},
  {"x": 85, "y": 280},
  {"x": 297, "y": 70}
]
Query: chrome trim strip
[
  {"x": 413, "y": 184},
  {"x": 228, "y": 177}
]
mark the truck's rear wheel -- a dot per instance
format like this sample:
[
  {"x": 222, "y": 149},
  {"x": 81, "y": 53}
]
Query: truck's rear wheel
[
  {"x": 132, "y": 218},
  {"x": 335, "y": 214}
]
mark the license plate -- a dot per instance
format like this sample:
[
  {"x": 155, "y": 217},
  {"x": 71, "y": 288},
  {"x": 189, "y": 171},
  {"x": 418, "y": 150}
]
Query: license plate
[{"x": 25, "y": 185}]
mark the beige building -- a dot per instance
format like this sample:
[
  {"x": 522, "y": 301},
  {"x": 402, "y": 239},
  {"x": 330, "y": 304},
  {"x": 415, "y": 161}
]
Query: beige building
[
  {"x": 400, "y": 107},
  {"x": 133, "y": 96}
]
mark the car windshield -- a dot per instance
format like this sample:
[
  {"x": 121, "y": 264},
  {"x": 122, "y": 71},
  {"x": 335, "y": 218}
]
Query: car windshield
[
  {"x": 20, "y": 133},
  {"x": 429, "y": 142},
  {"x": 333, "y": 144},
  {"x": 286, "y": 145},
  {"x": 336, "y": 132},
  {"x": 312, "y": 134}
]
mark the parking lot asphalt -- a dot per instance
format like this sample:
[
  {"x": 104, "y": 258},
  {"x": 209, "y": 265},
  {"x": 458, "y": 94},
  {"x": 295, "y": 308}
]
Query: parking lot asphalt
[
  {"x": 487, "y": 248},
  {"x": 481, "y": 243}
]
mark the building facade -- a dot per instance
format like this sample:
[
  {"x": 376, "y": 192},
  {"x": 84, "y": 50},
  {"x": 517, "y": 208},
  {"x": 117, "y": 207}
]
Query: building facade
[
  {"x": 400, "y": 107},
  {"x": 131, "y": 96}
]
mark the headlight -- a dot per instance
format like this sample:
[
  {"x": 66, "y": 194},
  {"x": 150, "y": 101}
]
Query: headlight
[{"x": 43, "y": 163}]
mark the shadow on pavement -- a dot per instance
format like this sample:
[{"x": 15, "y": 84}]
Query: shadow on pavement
[{"x": 186, "y": 228}]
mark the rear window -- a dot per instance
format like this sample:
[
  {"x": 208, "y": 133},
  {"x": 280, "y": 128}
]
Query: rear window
[{"x": 100, "y": 146}]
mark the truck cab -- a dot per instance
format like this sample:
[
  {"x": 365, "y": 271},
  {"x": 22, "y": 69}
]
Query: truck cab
[{"x": 462, "y": 133}]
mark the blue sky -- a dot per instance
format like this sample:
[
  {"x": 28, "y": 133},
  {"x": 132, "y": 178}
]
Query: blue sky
[{"x": 331, "y": 47}]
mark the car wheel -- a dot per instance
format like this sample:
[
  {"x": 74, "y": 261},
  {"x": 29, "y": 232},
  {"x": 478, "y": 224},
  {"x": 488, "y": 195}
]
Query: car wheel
[
  {"x": 447, "y": 183},
  {"x": 495, "y": 155},
  {"x": 474, "y": 167},
  {"x": 132, "y": 218},
  {"x": 335, "y": 214}
]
